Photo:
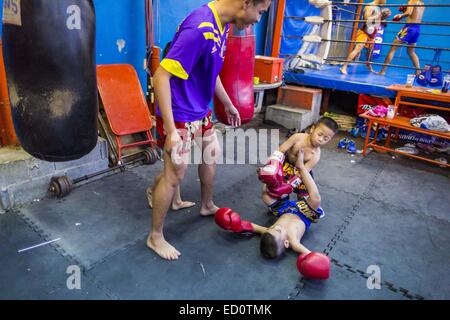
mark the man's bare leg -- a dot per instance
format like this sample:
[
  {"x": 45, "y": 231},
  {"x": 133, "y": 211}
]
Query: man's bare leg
[
  {"x": 414, "y": 58},
  {"x": 351, "y": 57},
  {"x": 162, "y": 196},
  {"x": 151, "y": 188},
  {"x": 389, "y": 57},
  {"x": 177, "y": 202},
  {"x": 207, "y": 172},
  {"x": 369, "y": 59}
]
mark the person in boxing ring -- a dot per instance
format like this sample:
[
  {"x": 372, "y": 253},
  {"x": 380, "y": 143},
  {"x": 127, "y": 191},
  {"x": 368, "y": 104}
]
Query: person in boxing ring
[
  {"x": 409, "y": 34},
  {"x": 365, "y": 36}
]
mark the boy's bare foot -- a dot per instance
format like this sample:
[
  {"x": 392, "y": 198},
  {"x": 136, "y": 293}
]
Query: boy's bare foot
[
  {"x": 179, "y": 205},
  {"x": 343, "y": 70},
  {"x": 371, "y": 70},
  {"x": 164, "y": 249},
  {"x": 176, "y": 205},
  {"x": 208, "y": 210},
  {"x": 381, "y": 73}
]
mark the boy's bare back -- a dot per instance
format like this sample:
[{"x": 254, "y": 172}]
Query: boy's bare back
[{"x": 417, "y": 13}]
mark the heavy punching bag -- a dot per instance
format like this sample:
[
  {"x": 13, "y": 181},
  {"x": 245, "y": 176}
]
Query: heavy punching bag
[
  {"x": 237, "y": 75},
  {"x": 49, "y": 53}
]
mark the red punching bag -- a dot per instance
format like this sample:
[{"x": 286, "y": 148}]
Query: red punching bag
[{"x": 237, "y": 75}]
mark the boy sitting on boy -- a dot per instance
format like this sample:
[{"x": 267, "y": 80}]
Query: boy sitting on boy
[
  {"x": 284, "y": 180},
  {"x": 294, "y": 218}
]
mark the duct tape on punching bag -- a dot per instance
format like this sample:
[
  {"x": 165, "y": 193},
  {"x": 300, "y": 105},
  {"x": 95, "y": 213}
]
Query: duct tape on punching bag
[
  {"x": 237, "y": 75},
  {"x": 49, "y": 53}
]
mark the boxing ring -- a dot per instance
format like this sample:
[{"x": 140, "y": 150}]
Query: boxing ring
[
  {"x": 316, "y": 36},
  {"x": 358, "y": 80}
]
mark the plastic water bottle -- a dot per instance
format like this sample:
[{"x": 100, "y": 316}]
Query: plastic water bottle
[
  {"x": 391, "y": 112},
  {"x": 446, "y": 83}
]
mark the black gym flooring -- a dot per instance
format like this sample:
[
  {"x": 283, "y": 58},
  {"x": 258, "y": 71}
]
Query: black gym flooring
[{"x": 390, "y": 214}]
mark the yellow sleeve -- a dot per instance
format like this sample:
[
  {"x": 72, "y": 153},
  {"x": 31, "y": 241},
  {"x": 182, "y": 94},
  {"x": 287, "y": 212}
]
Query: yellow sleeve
[{"x": 175, "y": 68}]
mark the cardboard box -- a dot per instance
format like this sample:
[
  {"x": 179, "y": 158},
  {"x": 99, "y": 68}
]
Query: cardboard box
[
  {"x": 300, "y": 97},
  {"x": 269, "y": 69}
]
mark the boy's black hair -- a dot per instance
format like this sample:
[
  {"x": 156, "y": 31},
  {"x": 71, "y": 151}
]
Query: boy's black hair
[
  {"x": 329, "y": 123},
  {"x": 269, "y": 246},
  {"x": 255, "y": 2}
]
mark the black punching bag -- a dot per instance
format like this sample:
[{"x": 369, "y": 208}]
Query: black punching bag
[{"x": 49, "y": 53}]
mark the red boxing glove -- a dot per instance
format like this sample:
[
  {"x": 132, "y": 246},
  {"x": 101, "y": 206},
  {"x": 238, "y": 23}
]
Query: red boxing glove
[
  {"x": 385, "y": 13},
  {"x": 397, "y": 17},
  {"x": 231, "y": 221},
  {"x": 281, "y": 191},
  {"x": 402, "y": 9},
  {"x": 284, "y": 189},
  {"x": 272, "y": 173},
  {"x": 295, "y": 181},
  {"x": 314, "y": 265}
]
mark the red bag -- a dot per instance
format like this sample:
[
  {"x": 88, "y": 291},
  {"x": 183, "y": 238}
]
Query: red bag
[
  {"x": 366, "y": 102},
  {"x": 237, "y": 75}
]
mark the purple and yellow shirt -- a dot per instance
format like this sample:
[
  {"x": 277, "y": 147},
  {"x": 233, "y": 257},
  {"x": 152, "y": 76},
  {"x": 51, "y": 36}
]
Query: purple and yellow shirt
[{"x": 195, "y": 59}]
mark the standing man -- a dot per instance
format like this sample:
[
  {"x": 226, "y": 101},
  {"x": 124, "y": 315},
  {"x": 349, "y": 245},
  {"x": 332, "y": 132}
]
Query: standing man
[
  {"x": 184, "y": 86},
  {"x": 409, "y": 34},
  {"x": 366, "y": 34}
]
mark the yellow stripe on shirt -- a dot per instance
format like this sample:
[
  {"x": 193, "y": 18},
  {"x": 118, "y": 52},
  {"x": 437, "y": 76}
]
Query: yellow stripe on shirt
[
  {"x": 208, "y": 25},
  {"x": 210, "y": 36},
  {"x": 175, "y": 68}
]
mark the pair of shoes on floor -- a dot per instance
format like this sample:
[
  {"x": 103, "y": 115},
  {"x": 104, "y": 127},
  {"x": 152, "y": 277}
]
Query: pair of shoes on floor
[
  {"x": 382, "y": 133},
  {"x": 354, "y": 132},
  {"x": 408, "y": 148},
  {"x": 348, "y": 144},
  {"x": 431, "y": 148},
  {"x": 442, "y": 160}
]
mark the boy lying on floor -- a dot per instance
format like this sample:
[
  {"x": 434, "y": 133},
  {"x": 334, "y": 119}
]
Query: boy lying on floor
[{"x": 294, "y": 218}]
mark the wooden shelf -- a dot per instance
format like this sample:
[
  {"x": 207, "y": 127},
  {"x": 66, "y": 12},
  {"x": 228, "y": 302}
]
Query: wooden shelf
[{"x": 400, "y": 122}]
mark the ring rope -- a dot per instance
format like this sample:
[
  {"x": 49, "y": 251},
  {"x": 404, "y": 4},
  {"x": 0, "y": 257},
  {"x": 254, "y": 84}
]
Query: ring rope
[
  {"x": 431, "y": 5},
  {"x": 384, "y": 44},
  {"x": 363, "y": 62},
  {"x": 344, "y": 10},
  {"x": 379, "y": 64},
  {"x": 387, "y": 31},
  {"x": 440, "y": 24}
]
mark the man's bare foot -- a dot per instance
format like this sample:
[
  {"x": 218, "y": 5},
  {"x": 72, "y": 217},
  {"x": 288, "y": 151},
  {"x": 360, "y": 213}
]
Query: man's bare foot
[
  {"x": 343, "y": 70},
  {"x": 208, "y": 210},
  {"x": 179, "y": 205},
  {"x": 164, "y": 249},
  {"x": 176, "y": 205},
  {"x": 381, "y": 73}
]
